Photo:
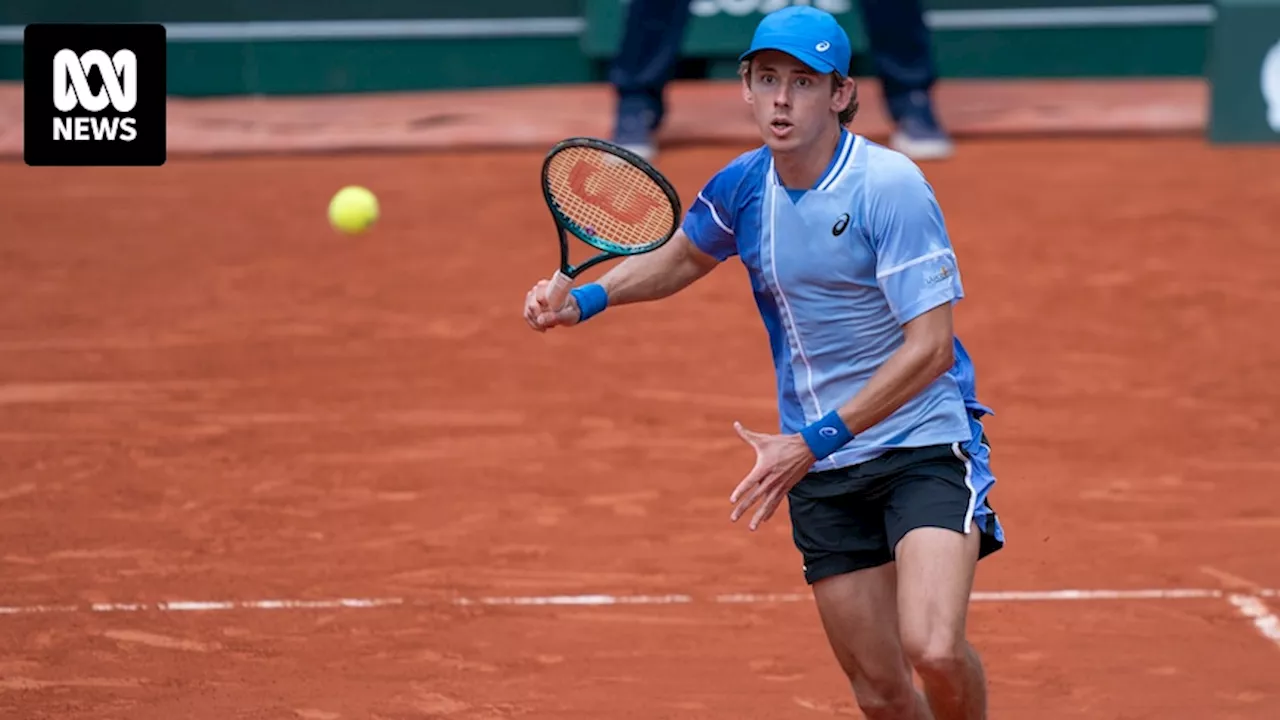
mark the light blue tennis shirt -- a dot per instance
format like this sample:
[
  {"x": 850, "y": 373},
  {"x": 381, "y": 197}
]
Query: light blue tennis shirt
[{"x": 837, "y": 270}]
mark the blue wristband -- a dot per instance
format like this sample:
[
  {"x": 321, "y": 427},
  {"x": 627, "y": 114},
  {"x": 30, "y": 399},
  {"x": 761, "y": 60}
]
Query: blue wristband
[
  {"x": 592, "y": 299},
  {"x": 826, "y": 435}
]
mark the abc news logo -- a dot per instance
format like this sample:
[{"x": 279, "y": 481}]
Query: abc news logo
[
  {"x": 71, "y": 91},
  {"x": 94, "y": 94}
]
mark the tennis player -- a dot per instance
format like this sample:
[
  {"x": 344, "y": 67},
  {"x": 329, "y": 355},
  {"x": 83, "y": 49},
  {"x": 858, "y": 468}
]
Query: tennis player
[{"x": 882, "y": 455}]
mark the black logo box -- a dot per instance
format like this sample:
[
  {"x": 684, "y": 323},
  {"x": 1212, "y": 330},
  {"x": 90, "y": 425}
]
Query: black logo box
[{"x": 41, "y": 42}]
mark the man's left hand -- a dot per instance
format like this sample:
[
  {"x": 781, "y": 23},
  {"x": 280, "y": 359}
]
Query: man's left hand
[{"x": 781, "y": 462}]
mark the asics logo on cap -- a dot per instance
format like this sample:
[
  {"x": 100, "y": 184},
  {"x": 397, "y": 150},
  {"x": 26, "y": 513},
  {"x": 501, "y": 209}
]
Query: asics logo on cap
[{"x": 822, "y": 46}]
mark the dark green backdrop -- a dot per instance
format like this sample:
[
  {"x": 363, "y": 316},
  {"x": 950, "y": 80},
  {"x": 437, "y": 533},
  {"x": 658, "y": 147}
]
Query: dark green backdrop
[{"x": 308, "y": 46}]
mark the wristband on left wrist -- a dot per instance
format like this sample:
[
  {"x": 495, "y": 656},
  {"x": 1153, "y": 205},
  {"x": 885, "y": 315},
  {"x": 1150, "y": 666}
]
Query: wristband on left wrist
[{"x": 826, "y": 435}]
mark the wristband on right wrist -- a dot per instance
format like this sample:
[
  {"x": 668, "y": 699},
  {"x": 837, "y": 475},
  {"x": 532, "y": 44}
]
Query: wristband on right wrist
[{"x": 592, "y": 300}]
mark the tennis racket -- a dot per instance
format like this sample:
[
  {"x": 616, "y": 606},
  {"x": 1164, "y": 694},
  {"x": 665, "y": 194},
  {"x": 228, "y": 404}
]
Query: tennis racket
[{"x": 607, "y": 197}]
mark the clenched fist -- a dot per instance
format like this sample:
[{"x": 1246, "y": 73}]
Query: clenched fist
[{"x": 542, "y": 316}]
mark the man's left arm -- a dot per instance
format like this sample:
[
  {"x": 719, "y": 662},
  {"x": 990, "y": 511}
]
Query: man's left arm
[{"x": 925, "y": 355}]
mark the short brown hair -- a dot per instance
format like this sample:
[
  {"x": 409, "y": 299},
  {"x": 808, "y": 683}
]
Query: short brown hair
[{"x": 837, "y": 79}]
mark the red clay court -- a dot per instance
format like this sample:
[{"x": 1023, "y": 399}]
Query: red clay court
[{"x": 253, "y": 469}]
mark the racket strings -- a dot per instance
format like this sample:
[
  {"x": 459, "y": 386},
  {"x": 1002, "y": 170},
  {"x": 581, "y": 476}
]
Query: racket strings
[{"x": 609, "y": 198}]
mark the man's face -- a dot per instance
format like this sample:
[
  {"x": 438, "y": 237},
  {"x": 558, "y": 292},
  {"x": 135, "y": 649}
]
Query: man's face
[{"x": 793, "y": 105}]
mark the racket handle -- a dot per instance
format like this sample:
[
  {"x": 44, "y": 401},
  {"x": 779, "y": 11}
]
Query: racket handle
[{"x": 557, "y": 290}]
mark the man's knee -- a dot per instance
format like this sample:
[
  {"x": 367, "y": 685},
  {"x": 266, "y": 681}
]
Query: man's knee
[
  {"x": 889, "y": 698},
  {"x": 940, "y": 652}
]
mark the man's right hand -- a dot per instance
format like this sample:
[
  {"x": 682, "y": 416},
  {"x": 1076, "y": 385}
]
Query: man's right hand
[{"x": 541, "y": 316}]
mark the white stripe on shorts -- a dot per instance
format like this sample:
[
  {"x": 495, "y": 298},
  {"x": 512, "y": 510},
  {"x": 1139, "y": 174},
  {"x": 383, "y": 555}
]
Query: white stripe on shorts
[{"x": 968, "y": 482}]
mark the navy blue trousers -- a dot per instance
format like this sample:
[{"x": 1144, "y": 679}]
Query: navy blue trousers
[{"x": 646, "y": 61}]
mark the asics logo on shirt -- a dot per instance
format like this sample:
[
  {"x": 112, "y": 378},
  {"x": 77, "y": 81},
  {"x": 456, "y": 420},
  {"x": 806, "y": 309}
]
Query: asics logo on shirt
[{"x": 841, "y": 223}]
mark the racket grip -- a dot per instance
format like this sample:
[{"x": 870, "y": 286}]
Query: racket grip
[{"x": 557, "y": 290}]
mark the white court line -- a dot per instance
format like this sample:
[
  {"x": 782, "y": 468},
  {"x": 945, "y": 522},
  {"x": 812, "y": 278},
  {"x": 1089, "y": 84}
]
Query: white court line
[
  {"x": 752, "y": 598},
  {"x": 203, "y": 606},
  {"x": 598, "y": 599},
  {"x": 1175, "y": 594},
  {"x": 579, "y": 600},
  {"x": 39, "y": 609},
  {"x": 1263, "y": 619}
]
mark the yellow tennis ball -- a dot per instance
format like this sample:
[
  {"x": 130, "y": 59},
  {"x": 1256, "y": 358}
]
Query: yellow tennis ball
[{"x": 353, "y": 209}]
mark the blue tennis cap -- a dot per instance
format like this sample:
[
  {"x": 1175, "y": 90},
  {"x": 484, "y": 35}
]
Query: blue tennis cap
[{"x": 808, "y": 34}]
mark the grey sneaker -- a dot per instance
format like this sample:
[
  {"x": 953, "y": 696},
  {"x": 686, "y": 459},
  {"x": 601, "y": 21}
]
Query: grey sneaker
[
  {"x": 646, "y": 150},
  {"x": 920, "y": 137},
  {"x": 633, "y": 129}
]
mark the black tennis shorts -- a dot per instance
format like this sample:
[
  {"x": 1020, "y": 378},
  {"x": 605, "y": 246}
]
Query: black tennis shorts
[{"x": 852, "y": 518}]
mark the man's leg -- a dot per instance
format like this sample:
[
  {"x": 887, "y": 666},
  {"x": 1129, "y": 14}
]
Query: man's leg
[
  {"x": 939, "y": 524},
  {"x": 646, "y": 61},
  {"x": 848, "y": 564},
  {"x": 859, "y": 613},
  {"x": 936, "y": 568}
]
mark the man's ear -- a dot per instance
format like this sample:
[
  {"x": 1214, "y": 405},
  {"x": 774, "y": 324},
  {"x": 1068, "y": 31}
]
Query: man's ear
[{"x": 843, "y": 94}]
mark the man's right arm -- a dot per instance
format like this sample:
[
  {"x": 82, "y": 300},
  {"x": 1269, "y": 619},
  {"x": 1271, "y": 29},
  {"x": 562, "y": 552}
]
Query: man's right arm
[
  {"x": 705, "y": 239},
  {"x": 638, "y": 278},
  {"x": 658, "y": 274}
]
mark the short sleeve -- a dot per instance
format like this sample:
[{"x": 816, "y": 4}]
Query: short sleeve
[
  {"x": 709, "y": 223},
  {"x": 916, "y": 266}
]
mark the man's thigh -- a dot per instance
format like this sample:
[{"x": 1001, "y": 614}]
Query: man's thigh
[
  {"x": 859, "y": 615},
  {"x": 848, "y": 562},
  {"x": 942, "y": 487},
  {"x": 939, "y": 526}
]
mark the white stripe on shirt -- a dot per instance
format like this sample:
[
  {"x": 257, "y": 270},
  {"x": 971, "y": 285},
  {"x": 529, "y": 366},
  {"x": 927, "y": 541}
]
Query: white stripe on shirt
[
  {"x": 840, "y": 163},
  {"x": 910, "y": 263},
  {"x": 771, "y": 189},
  {"x": 714, "y": 215}
]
